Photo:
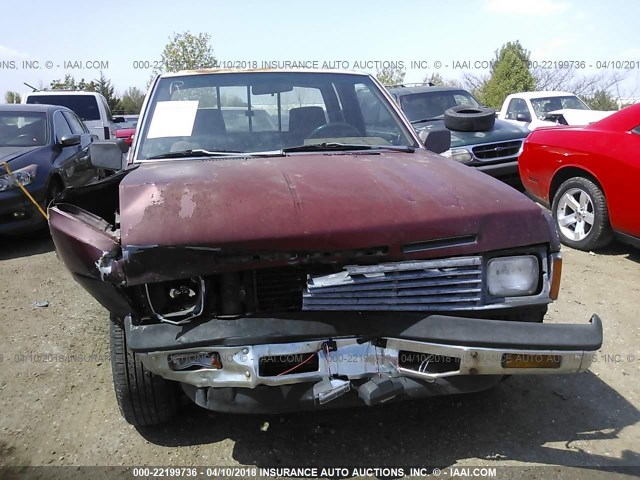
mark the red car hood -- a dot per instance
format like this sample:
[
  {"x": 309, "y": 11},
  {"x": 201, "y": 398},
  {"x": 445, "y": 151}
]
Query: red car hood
[{"x": 316, "y": 202}]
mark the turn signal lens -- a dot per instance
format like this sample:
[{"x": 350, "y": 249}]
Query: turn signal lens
[{"x": 556, "y": 274}]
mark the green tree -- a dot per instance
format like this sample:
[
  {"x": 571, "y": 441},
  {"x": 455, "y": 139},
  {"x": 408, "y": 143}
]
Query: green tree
[
  {"x": 70, "y": 83},
  {"x": 390, "y": 75},
  {"x": 509, "y": 74},
  {"x": 186, "y": 51},
  {"x": 12, "y": 97},
  {"x": 131, "y": 101},
  {"x": 601, "y": 100},
  {"x": 435, "y": 79},
  {"x": 103, "y": 85}
]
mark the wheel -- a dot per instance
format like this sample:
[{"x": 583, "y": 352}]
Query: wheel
[
  {"x": 580, "y": 210},
  {"x": 469, "y": 119},
  {"x": 143, "y": 398},
  {"x": 335, "y": 129}
]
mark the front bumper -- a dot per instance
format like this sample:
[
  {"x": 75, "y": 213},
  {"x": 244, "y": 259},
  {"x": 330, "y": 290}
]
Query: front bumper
[
  {"x": 506, "y": 171},
  {"x": 454, "y": 346},
  {"x": 14, "y": 202}
]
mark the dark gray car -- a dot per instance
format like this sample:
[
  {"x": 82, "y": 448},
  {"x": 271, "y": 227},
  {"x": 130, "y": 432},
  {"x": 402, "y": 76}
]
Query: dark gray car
[
  {"x": 46, "y": 149},
  {"x": 478, "y": 139}
]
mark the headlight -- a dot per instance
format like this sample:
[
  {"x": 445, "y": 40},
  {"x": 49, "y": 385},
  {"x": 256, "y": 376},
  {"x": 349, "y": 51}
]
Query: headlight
[
  {"x": 461, "y": 155},
  {"x": 513, "y": 276},
  {"x": 23, "y": 176}
]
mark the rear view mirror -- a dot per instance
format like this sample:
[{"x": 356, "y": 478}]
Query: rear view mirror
[
  {"x": 108, "y": 154},
  {"x": 523, "y": 117},
  {"x": 436, "y": 140},
  {"x": 271, "y": 88}
]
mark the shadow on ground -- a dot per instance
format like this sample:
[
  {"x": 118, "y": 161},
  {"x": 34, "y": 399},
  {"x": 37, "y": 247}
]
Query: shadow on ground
[
  {"x": 25, "y": 245},
  {"x": 618, "y": 248},
  {"x": 543, "y": 420}
]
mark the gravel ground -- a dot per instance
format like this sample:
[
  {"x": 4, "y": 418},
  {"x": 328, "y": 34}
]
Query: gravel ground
[{"x": 61, "y": 411}]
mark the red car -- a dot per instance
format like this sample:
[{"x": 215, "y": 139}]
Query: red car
[
  {"x": 126, "y": 134},
  {"x": 588, "y": 176},
  {"x": 128, "y": 129}
]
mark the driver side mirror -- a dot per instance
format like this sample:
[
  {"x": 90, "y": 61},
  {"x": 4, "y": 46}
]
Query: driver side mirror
[
  {"x": 436, "y": 140},
  {"x": 69, "y": 140},
  {"x": 108, "y": 154},
  {"x": 119, "y": 120},
  {"x": 523, "y": 117}
]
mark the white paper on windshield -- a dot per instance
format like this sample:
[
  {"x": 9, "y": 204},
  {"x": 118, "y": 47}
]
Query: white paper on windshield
[{"x": 173, "y": 119}]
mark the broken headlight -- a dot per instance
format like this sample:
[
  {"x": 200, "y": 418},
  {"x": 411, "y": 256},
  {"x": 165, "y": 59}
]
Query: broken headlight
[{"x": 176, "y": 301}]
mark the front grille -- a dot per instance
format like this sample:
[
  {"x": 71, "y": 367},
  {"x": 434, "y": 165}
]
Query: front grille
[
  {"x": 279, "y": 289},
  {"x": 429, "y": 285},
  {"x": 495, "y": 151}
]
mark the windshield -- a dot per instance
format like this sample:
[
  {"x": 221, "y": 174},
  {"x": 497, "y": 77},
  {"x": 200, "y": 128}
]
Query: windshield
[
  {"x": 267, "y": 111},
  {"x": 23, "y": 129},
  {"x": 431, "y": 105},
  {"x": 542, "y": 106},
  {"x": 85, "y": 106}
]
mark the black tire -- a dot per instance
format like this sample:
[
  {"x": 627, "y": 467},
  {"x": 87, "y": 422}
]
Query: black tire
[
  {"x": 143, "y": 398},
  {"x": 600, "y": 233},
  {"x": 469, "y": 119}
]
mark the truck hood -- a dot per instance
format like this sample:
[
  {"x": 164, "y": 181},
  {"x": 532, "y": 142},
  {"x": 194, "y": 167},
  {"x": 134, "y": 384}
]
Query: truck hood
[
  {"x": 577, "y": 116},
  {"x": 322, "y": 203},
  {"x": 501, "y": 132}
]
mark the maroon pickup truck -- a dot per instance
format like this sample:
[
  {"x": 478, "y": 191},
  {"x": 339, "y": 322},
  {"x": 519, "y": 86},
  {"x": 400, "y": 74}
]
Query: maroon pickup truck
[{"x": 324, "y": 258}]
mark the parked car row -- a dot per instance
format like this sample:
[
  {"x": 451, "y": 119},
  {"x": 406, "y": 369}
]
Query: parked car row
[
  {"x": 46, "y": 149},
  {"x": 584, "y": 173}
]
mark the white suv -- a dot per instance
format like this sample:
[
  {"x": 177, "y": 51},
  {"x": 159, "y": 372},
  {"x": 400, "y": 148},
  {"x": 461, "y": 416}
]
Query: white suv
[{"x": 91, "y": 107}]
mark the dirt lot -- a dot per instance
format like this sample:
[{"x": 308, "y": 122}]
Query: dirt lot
[{"x": 61, "y": 411}]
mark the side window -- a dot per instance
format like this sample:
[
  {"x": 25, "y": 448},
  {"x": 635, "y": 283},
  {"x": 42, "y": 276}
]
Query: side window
[
  {"x": 463, "y": 100},
  {"x": 636, "y": 130},
  {"x": 60, "y": 126},
  {"x": 516, "y": 106},
  {"x": 77, "y": 127}
]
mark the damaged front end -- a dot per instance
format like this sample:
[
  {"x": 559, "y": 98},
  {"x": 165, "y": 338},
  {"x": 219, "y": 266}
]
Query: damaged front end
[{"x": 267, "y": 330}]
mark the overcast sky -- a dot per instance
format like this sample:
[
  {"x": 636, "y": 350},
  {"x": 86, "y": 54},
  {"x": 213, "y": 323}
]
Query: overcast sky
[{"x": 450, "y": 32}]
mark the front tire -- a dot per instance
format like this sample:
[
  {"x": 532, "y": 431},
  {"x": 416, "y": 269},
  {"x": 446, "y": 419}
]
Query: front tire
[
  {"x": 581, "y": 214},
  {"x": 143, "y": 397}
]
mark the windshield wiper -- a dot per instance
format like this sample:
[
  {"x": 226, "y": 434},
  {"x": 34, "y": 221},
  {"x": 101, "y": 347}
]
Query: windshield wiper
[
  {"x": 317, "y": 147},
  {"x": 197, "y": 153},
  {"x": 439, "y": 117}
]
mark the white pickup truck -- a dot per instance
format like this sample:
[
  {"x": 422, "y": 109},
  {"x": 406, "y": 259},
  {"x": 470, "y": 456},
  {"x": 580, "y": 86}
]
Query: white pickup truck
[
  {"x": 537, "y": 109},
  {"x": 91, "y": 107}
]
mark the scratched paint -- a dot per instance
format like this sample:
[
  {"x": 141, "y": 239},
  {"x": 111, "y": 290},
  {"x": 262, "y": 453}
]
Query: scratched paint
[{"x": 187, "y": 205}]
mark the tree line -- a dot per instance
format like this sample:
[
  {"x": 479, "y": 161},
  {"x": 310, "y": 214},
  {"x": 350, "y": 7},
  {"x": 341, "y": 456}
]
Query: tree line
[{"x": 510, "y": 73}]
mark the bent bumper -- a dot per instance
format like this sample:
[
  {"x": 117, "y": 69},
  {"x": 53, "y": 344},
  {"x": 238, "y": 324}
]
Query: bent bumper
[{"x": 446, "y": 346}]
